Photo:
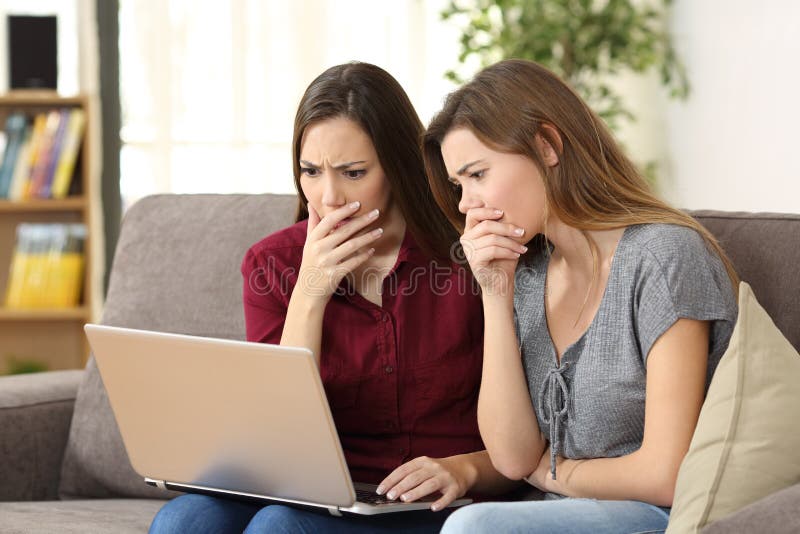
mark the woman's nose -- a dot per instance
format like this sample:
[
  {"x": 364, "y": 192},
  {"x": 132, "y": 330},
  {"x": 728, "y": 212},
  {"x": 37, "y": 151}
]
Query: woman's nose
[
  {"x": 468, "y": 202},
  {"x": 332, "y": 194}
]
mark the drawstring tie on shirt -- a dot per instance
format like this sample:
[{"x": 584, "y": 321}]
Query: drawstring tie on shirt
[{"x": 554, "y": 402}]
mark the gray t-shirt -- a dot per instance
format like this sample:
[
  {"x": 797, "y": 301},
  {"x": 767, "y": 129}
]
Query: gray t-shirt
[{"x": 591, "y": 405}]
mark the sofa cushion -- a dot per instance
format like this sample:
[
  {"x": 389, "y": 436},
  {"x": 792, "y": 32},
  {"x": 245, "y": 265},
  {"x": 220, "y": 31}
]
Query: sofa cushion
[
  {"x": 176, "y": 269},
  {"x": 35, "y": 414},
  {"x": 97, "y": 516},
  {"x": 742, "y": 449},
  {"x": 778, "y": 513}
]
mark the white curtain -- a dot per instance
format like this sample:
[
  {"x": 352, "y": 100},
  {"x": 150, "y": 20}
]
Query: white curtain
[{"x": 209, "y": 88}]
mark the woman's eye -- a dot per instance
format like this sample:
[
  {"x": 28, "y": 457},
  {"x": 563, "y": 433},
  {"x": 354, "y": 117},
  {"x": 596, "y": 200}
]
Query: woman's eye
[
  {"x": 308, "y": 171},
  {"x": 355, "y": 174},
  {"x": 455, "y": 185},
  {"x": 477, "y": 174}
]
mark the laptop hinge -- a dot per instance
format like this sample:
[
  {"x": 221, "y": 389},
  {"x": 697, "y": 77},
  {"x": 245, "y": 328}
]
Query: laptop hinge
[
  {"x": 333, "y": 510},
  {"x": 157, "y": 483}
]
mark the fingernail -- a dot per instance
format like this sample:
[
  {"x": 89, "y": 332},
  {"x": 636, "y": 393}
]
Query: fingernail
[
  {"x": 371, "y": 251},
  {"x": 524, "y": 249},
  {"x": 373, "y": 214},
  {"x": 379, "y": 231},
  {"x": 519, "y": 231},
  {"x": 355, "y": 205},
  {"x": 391, "y": 495},
  {"x": 434, "y": 508},
  {"x": 379, "y": 490},
  {"x": 498, "y": 212},
  {"x": 403, "y": 497}
]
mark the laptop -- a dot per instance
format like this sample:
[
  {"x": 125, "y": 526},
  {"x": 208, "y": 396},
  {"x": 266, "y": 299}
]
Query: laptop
[{"x": 230, "y": 418}]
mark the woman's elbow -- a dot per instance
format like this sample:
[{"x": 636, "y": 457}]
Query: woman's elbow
[
  {"x": 662, "y": 486},
  {"x": 512, "y": 468}
]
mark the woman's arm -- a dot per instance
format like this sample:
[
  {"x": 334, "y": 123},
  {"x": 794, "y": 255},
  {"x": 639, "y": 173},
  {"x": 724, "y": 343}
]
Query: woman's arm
[
  {"x": 676, "y": 374},
  {"x": 303, "y": 326},
  {"x": 328, "y": 255},
  {"x": 506, "y": 417}
]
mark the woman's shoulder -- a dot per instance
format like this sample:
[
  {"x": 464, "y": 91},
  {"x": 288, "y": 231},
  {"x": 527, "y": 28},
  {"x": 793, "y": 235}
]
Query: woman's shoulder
[
  {"x": 680, "y": 260},
  {"x": 285, "y": 245},
  {"x": 666, "y": 243}
]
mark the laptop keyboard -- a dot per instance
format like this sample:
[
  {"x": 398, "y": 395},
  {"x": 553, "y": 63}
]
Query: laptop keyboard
[{"x": 370, "y": 497}]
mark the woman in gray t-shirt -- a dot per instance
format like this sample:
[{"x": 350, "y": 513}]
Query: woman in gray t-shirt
[{"x": 606, "y": 311}]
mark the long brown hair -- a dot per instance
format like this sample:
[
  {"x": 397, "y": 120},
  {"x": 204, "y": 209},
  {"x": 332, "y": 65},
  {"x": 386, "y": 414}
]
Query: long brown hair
[
  {"x": 373, "y": 99},
  {"x": 593, "y": 187}
]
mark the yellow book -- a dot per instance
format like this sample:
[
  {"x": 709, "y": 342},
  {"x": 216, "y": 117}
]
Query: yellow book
[
  {"x": 65, "y": 167},
  {"x": 47, "y": 267},
  {"x": 16, "y": 274},
  {"x": 26, "y": 267},
  {"x": 63, "y": 274},
  {"x": 64, "y": 279}
]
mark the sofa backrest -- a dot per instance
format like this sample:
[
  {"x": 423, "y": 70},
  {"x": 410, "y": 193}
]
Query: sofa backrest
[
  {"x": 765, "y": 249},
  {"x": 176, "y": 269}
]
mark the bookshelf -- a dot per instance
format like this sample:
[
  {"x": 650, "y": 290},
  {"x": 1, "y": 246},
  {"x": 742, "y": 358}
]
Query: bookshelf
[{"x": 52, "y": 337}]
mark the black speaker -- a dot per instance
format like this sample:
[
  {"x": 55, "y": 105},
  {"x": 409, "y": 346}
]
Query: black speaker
[{"x": 32, "y": 52}]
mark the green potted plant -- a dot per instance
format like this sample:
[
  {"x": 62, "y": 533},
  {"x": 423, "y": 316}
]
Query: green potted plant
[
  {"x": 586, "y": 42},
  {"x": 24, "y": 365}
]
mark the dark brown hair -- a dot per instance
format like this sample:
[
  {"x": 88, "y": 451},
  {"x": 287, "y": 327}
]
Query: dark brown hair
[
  {"x": 373, "y": 99},
  {"x": 594, "y": 186}
]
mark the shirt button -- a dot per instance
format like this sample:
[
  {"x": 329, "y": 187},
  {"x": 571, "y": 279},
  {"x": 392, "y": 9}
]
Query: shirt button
[
  {"x": 385, "y": 318},
  {"x": 389, "y": 369}
]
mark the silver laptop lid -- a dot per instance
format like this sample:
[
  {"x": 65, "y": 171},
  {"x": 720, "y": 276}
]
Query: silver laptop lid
[{"x": 247, "y": 417}]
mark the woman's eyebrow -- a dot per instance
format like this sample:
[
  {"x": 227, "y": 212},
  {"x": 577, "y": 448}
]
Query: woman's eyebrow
[
  {"x": 466, "y": 166},
  {"x": 349, "y": 164},
  {"x": 336, "y": 167}
]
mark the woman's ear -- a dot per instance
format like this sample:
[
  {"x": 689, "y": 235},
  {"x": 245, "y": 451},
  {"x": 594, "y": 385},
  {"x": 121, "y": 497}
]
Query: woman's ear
[{"x": 545, "y": 142}]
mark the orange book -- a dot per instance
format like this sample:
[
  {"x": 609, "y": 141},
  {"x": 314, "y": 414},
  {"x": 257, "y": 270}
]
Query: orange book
[{"x": 45, "y": 154}]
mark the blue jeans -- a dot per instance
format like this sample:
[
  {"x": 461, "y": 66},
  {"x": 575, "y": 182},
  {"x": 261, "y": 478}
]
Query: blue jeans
[
  {"x": 200, "y": 514},
  {"x": 561, "y": 516}
]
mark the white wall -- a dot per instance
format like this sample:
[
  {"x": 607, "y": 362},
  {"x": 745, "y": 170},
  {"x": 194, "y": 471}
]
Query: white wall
[{"x": 735, "y": 144}]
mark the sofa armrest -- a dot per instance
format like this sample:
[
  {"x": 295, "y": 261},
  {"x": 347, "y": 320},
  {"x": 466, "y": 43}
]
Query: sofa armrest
[
  {"x": 777, "y": 513},
  {"x": 35, "y": 414}
]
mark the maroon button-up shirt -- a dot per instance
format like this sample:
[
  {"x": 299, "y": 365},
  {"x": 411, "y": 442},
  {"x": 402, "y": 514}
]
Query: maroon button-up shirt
[{"x": 402, "y": 379}]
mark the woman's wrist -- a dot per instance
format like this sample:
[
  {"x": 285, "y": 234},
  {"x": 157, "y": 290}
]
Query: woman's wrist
[
  {"x": 311, "y": 289},
  {"x": 465, "y": 468},
  {"x": 502, "y": 302}
]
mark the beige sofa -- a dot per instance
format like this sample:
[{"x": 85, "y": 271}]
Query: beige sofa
[{"x": 63, "y": 467}]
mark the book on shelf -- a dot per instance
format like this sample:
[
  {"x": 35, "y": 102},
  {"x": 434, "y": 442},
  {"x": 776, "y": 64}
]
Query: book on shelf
[
  {"x": 47, "y": 266},
  {"x": 38, "y": 174},
  {"x": 37, "y": 138},
  {"x": 40, "y": 157},
  {"x": 22, "y": 169},
  {"x": 15, "y": 134},
  {"x": 70, "y": 146}
]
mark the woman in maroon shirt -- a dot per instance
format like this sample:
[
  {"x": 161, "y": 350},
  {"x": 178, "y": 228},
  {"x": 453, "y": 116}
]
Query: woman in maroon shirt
[{"x": 364, "y": 279}]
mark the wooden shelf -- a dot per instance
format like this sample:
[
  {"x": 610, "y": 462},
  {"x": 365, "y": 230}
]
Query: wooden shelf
[
  {"x": 35, "y": 314},
  {"x": 53, "y": 337},
  {"x": 22, "y": 206},
  {"x": 40, "y": 98}
]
